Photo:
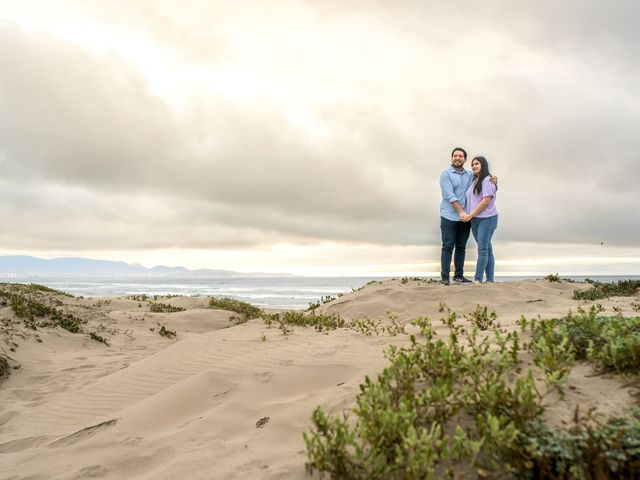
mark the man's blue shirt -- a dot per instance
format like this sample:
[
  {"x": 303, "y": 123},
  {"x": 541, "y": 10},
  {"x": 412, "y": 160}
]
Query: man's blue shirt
[{"x": 454, "y": 186}]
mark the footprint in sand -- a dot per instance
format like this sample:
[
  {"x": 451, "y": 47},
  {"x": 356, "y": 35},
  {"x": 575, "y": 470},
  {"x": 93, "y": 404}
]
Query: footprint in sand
[
  {"x": 79, "y": 367},
  {"x": 6, "y": 416},
  {"x": 26, "y": 395},
  {"x": 264, "y": 376},
  {"x": 22, "y": 444},
  {"x": 82, "y": 434},
  {"x": 94, "y": 471},
  {"x": 132, "y": 441}
]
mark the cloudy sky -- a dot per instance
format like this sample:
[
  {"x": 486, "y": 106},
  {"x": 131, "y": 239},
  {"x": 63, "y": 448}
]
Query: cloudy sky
[{"x": 308, "y": 136}]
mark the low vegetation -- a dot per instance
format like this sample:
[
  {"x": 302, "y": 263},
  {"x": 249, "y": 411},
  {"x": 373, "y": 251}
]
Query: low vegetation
[
  {"x": 165, "y": 332},
  {"x": 139, "y": 297},
  {"x": 98, "y": 338},
  {"x": 419, "y": 280},
  {"x": 245, "y": 310},
  {"x": 555, "y": 278},
  {"x": 320, "y": 322},
  {"x": 610, "y": 344},
  {"x": 28, "y": 303},
  {"x": 367, "y": 326},
  {"x": 467, "y": 401},
  {"x": 5, "y": 369},
  {"x": 395, "y": 326},
  {"x": 322, "y": 301},
  {"x": 598, "y": 290},
  {"x": 483, "y": 320},
  {"x": 45, "y": 289},
  {"x": 392, "y": 326},
  {"x": 159, "y": 307}
]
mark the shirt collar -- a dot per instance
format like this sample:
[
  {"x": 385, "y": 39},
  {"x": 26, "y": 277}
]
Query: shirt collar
[{"x": 453, "y": 170}]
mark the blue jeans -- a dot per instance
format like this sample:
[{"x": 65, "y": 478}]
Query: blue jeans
[
  {"x": 454, "y": 235},
  {"x": 483, "y": 229}
]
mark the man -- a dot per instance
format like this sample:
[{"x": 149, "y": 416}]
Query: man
[{"x": 454, "y": 183}]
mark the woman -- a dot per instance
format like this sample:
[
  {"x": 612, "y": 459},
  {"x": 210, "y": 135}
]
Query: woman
[{"x": 483, "y": 215}]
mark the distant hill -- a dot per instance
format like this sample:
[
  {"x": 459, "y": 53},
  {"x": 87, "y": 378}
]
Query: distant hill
[{"x": 24, "y": 265}]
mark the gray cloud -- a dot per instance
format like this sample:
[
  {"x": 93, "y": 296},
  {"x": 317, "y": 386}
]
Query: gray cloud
[
  {"x": 68, "y": 117},
  {"x": 544, "y": 91}
]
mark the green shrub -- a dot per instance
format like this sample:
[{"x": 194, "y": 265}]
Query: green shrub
[
  {"x": 284, "y": 328},
  {"x": 366, "y": 326},
  {"x": 402, "y": 417},
  {"x": 246, "y": 310},
  {"x": 98, "y": 338},
  {"x": 322, "y": 301},
  {"x": 321, "y": 322},
  {"x": 139, "y": 298},
  {"x": 35, "y": 312},
  {"x": 617, "y": 348},
  {"x": 407, "y": 422},
  {"x": 598, "y": 290},
  {"x": 481, "y": 319},
  {"x": 555, "y": 278},
  {"x": 45, "y": 289},
  {"x": 553, "y": 351},
  {"x": 611, "y": 344},
  {"x": 164, "y": 332},
  {"x": 586, "y": 451},
  {"x": 158, "y": 307},
  {"x": 67, "y": 321},
  {"x": 395, "y": 326},
  {"x": 5, "y": 369}
]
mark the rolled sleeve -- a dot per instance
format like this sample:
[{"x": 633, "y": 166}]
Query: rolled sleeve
[
  {"x": 446, "y": 187},
  {"x": 488, "y": 188}
]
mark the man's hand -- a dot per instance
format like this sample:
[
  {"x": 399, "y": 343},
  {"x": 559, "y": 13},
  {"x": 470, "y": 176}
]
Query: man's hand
[
  {"x": 494, "y": 179},
  {"x": 465, "y": 217}
]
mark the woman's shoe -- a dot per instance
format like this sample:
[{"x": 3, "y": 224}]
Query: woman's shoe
[{"x": 461, "y": 280}]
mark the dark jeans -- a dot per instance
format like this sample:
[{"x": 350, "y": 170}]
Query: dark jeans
[{"x": 454, "y": 235}]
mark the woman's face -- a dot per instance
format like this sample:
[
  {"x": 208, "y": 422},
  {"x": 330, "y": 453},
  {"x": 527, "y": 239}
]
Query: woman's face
[{"x": 476, "y": 167}]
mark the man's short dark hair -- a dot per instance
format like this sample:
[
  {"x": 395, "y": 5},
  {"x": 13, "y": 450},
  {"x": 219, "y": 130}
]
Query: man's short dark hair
[{"x": 459, "y": 149}]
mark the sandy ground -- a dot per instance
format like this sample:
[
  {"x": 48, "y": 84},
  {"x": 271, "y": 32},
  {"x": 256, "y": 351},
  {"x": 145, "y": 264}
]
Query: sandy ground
[{"x": 150, "y": 407}]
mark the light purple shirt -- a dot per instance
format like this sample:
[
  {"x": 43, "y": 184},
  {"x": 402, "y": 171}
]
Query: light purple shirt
[{"x": 473, "y": 199}]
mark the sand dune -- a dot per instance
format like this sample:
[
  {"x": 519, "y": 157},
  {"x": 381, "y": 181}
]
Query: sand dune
[{"x": 151, "y": 407}]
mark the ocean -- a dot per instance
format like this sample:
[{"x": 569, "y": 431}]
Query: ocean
[{"x": 279, "y": 292}]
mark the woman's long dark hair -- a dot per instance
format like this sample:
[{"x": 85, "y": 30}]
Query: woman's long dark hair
[{"x": 484, "y": 172}]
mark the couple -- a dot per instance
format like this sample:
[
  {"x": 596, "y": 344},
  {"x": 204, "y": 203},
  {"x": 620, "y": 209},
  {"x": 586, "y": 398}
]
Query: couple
[{"x": 468, "y": 204}]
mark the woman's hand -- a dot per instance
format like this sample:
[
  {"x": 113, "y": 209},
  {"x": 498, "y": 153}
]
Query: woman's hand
[{"x": 465, "y": 217}]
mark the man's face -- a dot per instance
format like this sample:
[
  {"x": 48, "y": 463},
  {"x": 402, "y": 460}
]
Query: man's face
[{"x": 457, "y": 159}]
